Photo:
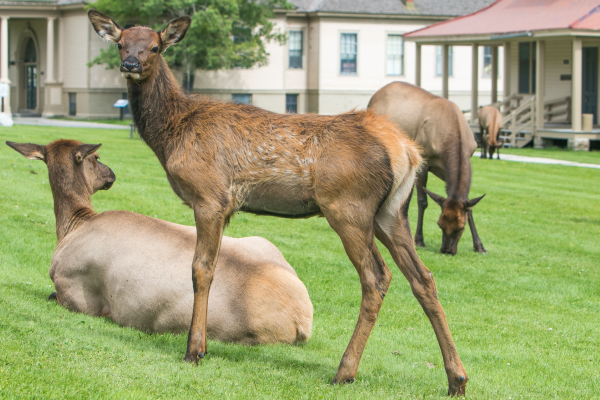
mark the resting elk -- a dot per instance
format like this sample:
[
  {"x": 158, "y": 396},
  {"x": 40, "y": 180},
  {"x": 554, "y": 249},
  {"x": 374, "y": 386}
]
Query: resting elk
[
  {"x": 490, "y": 123},
  {"x": 135, "y": 269},
  {"x": 447, "y": 144},
  {"x": 355, "y": 169}
]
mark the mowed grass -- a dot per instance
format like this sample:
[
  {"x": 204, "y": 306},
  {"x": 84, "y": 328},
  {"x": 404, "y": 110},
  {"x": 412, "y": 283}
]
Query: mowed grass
[{"x": 525, "y": 317}]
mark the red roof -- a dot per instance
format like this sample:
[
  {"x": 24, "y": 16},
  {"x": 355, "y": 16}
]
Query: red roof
[{"x": 512, "y": 16}]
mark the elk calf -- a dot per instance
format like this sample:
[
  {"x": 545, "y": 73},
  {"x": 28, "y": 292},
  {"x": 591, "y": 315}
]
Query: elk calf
[
  {"x": 490, "y": 123},
  {"x": 135, "y": 269}
]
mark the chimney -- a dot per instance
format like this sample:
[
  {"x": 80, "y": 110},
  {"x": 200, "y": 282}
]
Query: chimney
[{"x": 409, "y": 4}]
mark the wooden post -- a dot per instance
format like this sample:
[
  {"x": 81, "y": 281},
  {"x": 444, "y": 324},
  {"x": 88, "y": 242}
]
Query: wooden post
[
  {"x": 474, "y": 82},
  {"x": 507, "y": 70},
  {"x": 445, "y": 70},
  {"x": 494, "y": 74},
  {"x": 540, "y": 82},
  {"x": 576, "y": 72},
  {"x": 418, "y": 66}
]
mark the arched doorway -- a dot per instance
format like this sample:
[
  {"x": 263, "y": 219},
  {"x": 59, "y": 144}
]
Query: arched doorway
[{"x": 31, "y": 76}]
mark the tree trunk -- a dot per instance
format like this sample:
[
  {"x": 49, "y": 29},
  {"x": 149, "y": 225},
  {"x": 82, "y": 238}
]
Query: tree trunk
[{"x": 188, "y": 75}]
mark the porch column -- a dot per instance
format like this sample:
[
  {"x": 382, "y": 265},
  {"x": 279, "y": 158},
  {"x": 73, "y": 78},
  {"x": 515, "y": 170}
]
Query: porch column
[
  {"x": 4, "y": 62},
  {"x": 474, "y": 82},
  {"x": 540, "y": 80},
  {"x": 445, "y": 70},
  {"x": 507, "y": 70},
  {"x": 50, "y": 50},
  {"x": 576, "y": 85},
  {"x": 418, "y": 66},
  {"x": 494, "y": 74}
]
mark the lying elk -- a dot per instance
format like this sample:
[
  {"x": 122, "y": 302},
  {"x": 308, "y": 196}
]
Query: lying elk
[
  {"x": 355, "y": 169},
  {"x": 135, "y": 269},
  {"x": 446, "y": 144},
  {"x": 490, "y": 123}
]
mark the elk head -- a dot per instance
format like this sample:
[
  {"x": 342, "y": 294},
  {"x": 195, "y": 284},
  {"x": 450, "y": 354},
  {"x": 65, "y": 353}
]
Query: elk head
[
  {"x": 139, "y": 46},
  {"x": 72, "y": 165},
  {"x": 453, "y": 220}
]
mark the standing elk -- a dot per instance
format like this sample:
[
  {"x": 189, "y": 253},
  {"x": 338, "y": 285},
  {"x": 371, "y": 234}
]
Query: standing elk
[
  {"x": 447, "y": 144},
  {"x": 135, "y": 269},
  {"x": 355, "y": 169},
  {"x": 490, "y": 123}
]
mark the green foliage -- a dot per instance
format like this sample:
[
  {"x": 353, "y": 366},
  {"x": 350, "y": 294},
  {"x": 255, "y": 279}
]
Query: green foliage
[
  {"x": 224, "y": 33},
  {"x": 539, "y": 223}
]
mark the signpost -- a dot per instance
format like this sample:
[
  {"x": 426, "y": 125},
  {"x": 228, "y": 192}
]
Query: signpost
[{"x": 121, "y": 103}]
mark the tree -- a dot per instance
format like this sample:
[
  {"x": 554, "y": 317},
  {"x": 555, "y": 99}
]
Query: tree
[{"x": 224, "y": 33}]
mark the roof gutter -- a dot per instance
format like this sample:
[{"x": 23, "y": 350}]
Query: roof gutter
[{"x": 511, "y": 36}]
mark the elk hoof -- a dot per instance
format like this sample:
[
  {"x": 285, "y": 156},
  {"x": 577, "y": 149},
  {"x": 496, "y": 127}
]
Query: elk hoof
[
  {"x": 337, "y": 381},
  {"x": 419, "y": 243},
  {"x": 458, "y": 389},
  {"x": 53, "y": 297},
  {"x": 189, "y": 357},
  {"x": 480, "y": 249}
]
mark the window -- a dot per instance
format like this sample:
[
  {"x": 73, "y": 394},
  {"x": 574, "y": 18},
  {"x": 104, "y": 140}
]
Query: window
[
  {"x": 439, "y": 63},
  {"x": 348, "y": 54},
  {"x": 241, "y": 98},
  {"x": 291, "y": 103},
  {"x": 72, "y": 103},
  {"x": 527, "y": 66},
  {"x": 295, "y": 49},
  {"x": 487, "y": 62},
  {"x": 395, "y": 55}
]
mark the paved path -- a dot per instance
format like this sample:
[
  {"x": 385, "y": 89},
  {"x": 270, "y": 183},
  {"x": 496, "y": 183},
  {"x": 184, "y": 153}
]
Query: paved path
[
  {"x": 65, "y": 123},
  {"x": 539, "y": 160}
]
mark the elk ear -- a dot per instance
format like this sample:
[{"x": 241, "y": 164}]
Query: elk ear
[
  {"x": 435, "y": 197},
  {"x": 174, "y": 32},
  {"x": 84, "y": 150},
  {"x": 105, "y": 27},
  {"x": 29, "y": 150},
  {"x": 473, "y": 202}
]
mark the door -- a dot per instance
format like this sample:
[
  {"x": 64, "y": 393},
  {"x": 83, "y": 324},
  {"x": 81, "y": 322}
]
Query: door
[
  {"x": 31, "y": 86},
  {"x": 589, "y": 82}
]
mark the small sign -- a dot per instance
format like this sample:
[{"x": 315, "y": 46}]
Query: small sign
[
  {"x": 4, "y": 89},
  {"x": 121, "y": 103}
]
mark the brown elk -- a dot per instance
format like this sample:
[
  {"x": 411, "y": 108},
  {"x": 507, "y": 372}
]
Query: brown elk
[
  {"x": 490, "y": 123},
  {"x": 447, "y": 144},
  {"x": 355, "y": 169},
  {"x": 136, "y": 270}
]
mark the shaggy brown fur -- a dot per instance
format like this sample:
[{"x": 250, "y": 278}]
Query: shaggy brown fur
[
  {"x": 447, "y": 144},
  {"x": 355, "y": 169},
  {"x": 490, "y": 123},
  {"x": 115, "y": 264}
]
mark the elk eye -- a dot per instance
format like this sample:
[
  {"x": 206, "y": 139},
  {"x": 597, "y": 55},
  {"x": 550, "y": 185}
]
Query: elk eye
[
  {"x": 119, "y": 46},
  {"x": 154, "y": 49}
]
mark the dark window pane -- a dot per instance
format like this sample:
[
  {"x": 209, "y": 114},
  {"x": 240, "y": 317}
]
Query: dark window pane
[
  {"x": 533, "y": 65},
  {"x": 524, "y": 49},
  {"x": 295, "y": 49},
  {"x": 30, "y": 53},
  {"x": 348, "y": 53},
  {"x": 487, "y": 61},
  {"x": 242, "y": 98},
  {"x": 439, "y": 55},
  {"x": 291, "y": 103},
  {"x": 72, "y": 103}
]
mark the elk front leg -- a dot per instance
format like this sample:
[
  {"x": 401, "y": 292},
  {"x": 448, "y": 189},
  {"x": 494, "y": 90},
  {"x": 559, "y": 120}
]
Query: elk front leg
[
  {"x": 483, "y": 144},
  {"x": 397, "y": 238},
  {"x": 375, "y": 278},
  {"x": 422, "y": 203},
  {"x": 477, "y": 245},
  {"x": 209, "y": 228}
]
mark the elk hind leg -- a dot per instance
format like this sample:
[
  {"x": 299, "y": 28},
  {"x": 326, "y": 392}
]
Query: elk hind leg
[
  {"x": 375, "y": 278},
  {"x": 393, "y": 230},
  {"x": 422, "y": 203}
]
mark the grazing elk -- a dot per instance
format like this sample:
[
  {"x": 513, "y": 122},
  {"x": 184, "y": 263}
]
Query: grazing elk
[
  {"x": 355, "y": 169},
  {"x": 490, "y": 123},
  {"x": 136, "y": 270},
  {"x": 447, "y": 144}
]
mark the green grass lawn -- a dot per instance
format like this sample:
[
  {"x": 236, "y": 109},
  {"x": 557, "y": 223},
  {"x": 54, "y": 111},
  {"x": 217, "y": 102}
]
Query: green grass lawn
[
  {"x": 589, "y": 157},
  {"x": 525, "y": 318},
  {"x": 111, "y": 121}
]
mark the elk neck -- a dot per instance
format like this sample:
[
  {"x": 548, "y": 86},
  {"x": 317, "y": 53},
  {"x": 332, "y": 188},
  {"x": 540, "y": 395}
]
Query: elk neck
[
  {"x": 158, "y": 104},
  {"x": 72, "y": 202}
]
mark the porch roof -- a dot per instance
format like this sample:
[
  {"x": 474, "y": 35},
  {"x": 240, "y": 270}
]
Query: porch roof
[{"x": 512, "y": 18}]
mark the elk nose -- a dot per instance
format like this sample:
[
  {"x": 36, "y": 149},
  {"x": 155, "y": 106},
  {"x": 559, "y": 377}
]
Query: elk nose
[{"x": 129, "y": 66}]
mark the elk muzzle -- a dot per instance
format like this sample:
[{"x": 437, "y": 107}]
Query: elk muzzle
[
  {"x": 131, "y": 68},
  {"x": 450, "y": 242}
]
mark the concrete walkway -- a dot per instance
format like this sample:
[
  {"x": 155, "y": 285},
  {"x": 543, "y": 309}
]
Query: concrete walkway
[
  {"x": 539, "y": 160},
  {"x": 65, "y": 123}
]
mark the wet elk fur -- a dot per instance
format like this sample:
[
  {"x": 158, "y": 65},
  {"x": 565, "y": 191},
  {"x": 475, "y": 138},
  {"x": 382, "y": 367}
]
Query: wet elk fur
[
  {"x": 355, "y": 169},
  {"x": 136, "y": 270},
  {"x": 447, "y": 144},
  {"x": 490, "y": 123}
]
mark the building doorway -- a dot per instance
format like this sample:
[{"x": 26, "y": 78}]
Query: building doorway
[
  {"x": 31, "y": 75},
  {"x": 589, "y": 82}
]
